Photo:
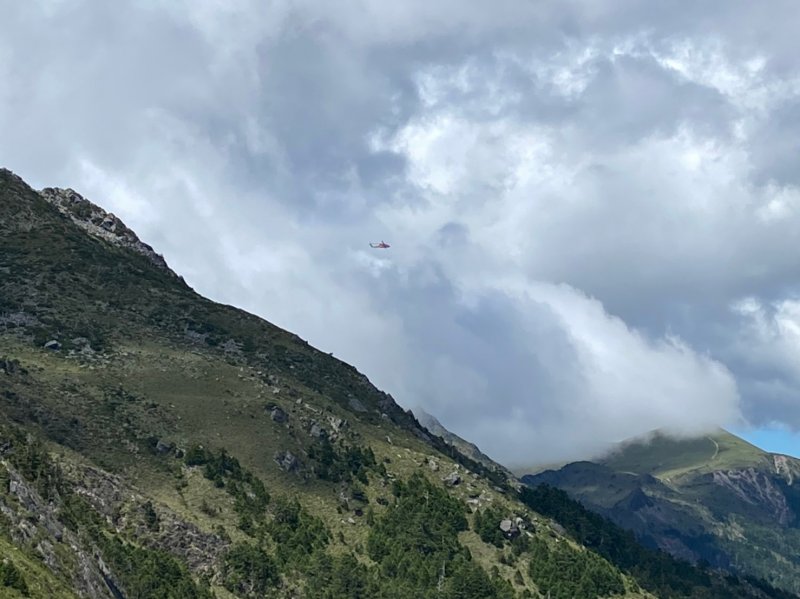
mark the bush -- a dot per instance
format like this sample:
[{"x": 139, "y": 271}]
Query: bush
[
  {"x": 249, "y": 571},
  {"x": 11, "y": 578}
]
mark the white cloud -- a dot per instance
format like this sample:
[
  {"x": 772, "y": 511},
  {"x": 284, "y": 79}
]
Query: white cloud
[
  {"x": 569, "y": 361},
  {"x": 575, "y": 192}
]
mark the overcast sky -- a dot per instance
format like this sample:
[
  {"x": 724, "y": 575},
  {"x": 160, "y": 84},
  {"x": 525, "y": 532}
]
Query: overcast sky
[{"x": 593, "y": 207}]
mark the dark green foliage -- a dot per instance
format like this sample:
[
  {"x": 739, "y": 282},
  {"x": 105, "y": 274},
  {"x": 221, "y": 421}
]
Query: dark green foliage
[
  {"x": 487, "y": 524},
  {"x": 196, "y": 455},
  {"x": 150, "y": 516},
  {"x": 28, "y": 455},
  {"x": 78, "y": 515},
  {"x": 145, "y": 573},
  {"x": 340, "y": 462},
  {"x": 339, "y": 577},
  {"x": 415, "y": 544},
  {"x": 655, "y": 570},
  {"x": 11, "y": 578},
  {"x": 148, "y": 573},
  {"x": 297, "y": 534},
  {"x": 568, "y": 573},
  {"x": 224, "y": 470},
  {"x": 249, "y": 570}
]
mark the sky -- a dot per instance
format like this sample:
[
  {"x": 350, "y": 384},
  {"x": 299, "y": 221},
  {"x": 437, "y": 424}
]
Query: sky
[{"x": 593, "y": 207}]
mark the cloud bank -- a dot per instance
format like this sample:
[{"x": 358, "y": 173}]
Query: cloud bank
[{"x": 592, "y": 208}]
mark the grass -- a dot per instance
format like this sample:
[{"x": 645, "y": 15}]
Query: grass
[
  {"x": 172, "y": 366},
  {"x": 669, "y": 458},
  {"x": 41, "y": 582}
]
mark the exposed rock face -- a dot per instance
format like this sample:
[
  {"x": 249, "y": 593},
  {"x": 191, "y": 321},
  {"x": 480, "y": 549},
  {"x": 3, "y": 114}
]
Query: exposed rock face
[
  {"x": 287, "y": 461},
  {"x": 433, "y": 426},
  {"x": 356, "y": 405},
  {"x": 786, "y": 468},
  {"x": 87, "y": 577},
  {"x": 756, "y": 488},
  {"x": 99, "y": 223}
]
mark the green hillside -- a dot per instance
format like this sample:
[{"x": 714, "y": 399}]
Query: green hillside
[
  {"x": 155, "y": 444},
  {"x": 665, "y": 457},
  {"x": 714, "y": 499}
]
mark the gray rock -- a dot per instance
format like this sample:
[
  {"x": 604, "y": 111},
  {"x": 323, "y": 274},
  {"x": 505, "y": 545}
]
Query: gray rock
[
  {"x": 452, "y": 479},
  {"x": 9, "y": 366},
  {"x": 509, "y": 529},
  {"x": 287, "y": 461},
  {"x": 52, "y": 345},
  {"x": 356, "y": 405},
  {"x": 100, "y": 224},
  {"x": 337, "y": 424},
  {"x": 316, "y": 431},
  {"x": 278, "y": 415}
]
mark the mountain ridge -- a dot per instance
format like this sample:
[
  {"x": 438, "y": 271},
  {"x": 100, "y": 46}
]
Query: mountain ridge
[
  {"x": 715, "y": 498},
  {"x": 155, "y": 443}
]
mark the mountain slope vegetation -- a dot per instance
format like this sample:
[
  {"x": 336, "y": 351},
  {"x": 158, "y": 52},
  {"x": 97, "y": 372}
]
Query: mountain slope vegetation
[
  {"x": 156, "y": 444},
  {"x": 714, "y": 500}
]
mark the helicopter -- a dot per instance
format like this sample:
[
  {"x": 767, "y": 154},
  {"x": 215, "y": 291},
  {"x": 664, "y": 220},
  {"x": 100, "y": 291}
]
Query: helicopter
[{"x": 382, "y": 245}]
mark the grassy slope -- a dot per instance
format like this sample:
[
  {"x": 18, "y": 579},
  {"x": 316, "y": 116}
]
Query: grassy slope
[
  {"x": 41, "y": 582},
  {"x": 679, "y": 504},
  {"x": 666, "y": 458},
  {"x": 172, "y": 366}
]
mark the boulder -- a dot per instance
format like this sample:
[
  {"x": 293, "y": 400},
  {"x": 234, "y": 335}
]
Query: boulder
[
  {"x": 356, "y": 405},
  {"x": 287, "y": 461},
  {"x": 509, "y": 529},
  {"x": 337, "y": 424},
  {"x": 9, "y": 366},
  {"x": 52, "y": 345},
  {"x": 452, "y": 479},
  {"x": 278, "y": 415}
]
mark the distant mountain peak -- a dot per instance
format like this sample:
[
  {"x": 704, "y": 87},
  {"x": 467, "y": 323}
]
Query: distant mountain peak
[
  {"x": 714, "y": 497},
  {"x": 467, "y": 448}
]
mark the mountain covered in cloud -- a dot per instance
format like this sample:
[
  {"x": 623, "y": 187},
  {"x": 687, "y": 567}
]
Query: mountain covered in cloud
[
  {"x": 155, "y": 443},
  {"x": 714, "y": 499},
  {"x": 592, "y": 209}
]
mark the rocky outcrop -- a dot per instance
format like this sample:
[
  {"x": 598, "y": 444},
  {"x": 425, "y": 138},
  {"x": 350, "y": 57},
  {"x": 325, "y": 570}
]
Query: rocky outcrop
[
  {"x": 99, "y": 223},
  {"x": 287, "y": 461},
  {"x": 786, "y": 467},
  {"x": 756, "y": 488},
  {"x": 34, "y": 520},
  {"x": 452, "y": 479},
  {"x": 433, "y": 426},
  {"x": 278, "y": 415}
]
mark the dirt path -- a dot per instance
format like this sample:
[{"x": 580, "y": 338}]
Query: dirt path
[{"x": 716, "y": 449}]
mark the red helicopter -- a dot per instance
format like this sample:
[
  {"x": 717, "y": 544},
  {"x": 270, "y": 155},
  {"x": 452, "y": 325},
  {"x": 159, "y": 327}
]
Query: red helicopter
[{"x": 381, "y": 245}]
